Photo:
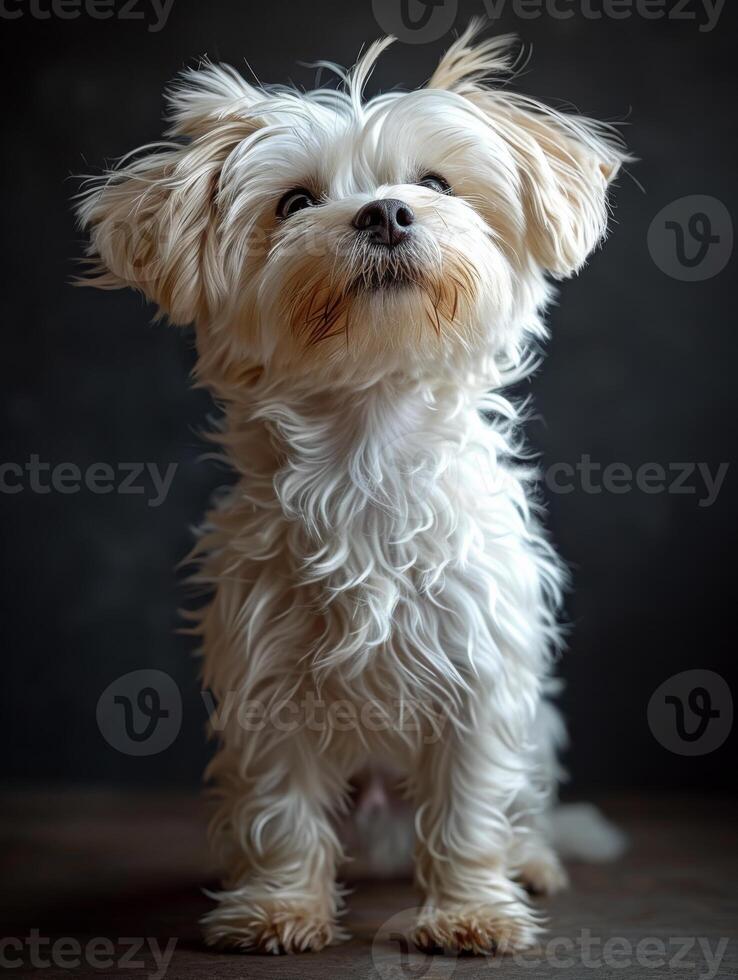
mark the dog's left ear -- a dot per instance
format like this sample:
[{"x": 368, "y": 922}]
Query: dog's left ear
[
  {"x": 565, "y": 163},
  {"x": 152, "y": 221}
]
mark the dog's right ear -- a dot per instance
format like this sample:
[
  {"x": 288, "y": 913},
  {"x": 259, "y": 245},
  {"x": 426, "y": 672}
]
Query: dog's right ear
[{"x": 152, "y": 220}]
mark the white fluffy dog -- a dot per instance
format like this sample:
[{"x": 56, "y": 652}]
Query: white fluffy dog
[{"x": 364, "y": 279}]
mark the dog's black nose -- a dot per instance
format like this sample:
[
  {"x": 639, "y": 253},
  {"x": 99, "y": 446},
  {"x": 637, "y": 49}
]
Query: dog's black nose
[{"x": 387, "y": 222}]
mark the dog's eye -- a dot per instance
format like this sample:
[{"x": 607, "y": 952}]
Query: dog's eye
[
  {"x": 295, "y": 200},
  {"x": 435, "y": 183}
]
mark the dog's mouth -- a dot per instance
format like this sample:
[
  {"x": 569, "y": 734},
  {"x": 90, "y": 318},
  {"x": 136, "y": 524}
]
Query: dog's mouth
[
  {"x": 386, "y": 270},
  {"x": 385, "y": 279}
]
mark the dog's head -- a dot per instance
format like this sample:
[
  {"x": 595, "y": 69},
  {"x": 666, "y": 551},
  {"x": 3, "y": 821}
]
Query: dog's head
[{"x": 322, "y": 236}]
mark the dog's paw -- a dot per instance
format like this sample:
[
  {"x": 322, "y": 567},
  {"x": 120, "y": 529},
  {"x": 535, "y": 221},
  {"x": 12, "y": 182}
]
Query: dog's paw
[
  {"x": 543, "y": 873},
  {"x": 479, "y": 929},
  {"x": 271, "y": 926}
]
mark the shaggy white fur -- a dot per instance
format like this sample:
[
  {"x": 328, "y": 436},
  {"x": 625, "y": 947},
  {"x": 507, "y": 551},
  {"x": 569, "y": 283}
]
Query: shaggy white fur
[{"x": 381, "y": 587}]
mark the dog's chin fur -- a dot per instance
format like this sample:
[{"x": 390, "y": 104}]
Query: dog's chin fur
[{"x": 380, "y": 550}]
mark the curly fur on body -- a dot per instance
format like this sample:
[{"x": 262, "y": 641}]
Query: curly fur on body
[{"x": 382, "y": 589}]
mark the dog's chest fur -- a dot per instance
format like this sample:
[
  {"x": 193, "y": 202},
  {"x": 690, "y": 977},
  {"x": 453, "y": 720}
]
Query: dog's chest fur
[{"x": 374, "y": 534}]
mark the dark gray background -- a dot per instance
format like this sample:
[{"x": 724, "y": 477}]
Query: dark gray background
[{"x": 641, "y": 368}]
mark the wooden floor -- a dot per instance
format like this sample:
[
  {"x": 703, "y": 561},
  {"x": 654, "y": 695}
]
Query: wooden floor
[{"x": 115, "y": 882}]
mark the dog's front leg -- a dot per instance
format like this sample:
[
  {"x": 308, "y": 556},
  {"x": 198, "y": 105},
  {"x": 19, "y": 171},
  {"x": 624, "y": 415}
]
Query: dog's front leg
[
  {"x": 465, "y": 783},
  {"x": 274, "y": 833}
]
